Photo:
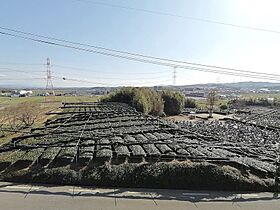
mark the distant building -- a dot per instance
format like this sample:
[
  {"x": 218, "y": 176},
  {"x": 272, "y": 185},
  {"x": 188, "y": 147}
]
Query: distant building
[
  {"x": 270, "y": 100},
  {"x": 192, "y": 115},
  {"x": 25, "y": 93}
]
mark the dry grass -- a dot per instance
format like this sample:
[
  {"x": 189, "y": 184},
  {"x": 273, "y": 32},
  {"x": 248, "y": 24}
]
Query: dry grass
[{"x": 32, "y": 105}]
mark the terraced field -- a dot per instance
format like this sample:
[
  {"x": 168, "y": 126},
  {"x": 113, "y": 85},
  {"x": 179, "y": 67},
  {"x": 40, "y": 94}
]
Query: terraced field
[{"x": 86, "y": 134}]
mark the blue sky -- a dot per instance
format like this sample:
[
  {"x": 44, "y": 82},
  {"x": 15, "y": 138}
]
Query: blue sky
[{"x": 139, "y": 32}]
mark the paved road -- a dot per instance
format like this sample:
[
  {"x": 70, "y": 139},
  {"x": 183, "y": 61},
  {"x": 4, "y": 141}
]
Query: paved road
[{"x": 32, "y": 197}]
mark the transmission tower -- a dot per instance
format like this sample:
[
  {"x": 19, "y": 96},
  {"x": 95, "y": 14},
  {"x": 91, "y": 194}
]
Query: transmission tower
[
  {"x": 174, "y": 75},
  {"x": 49, "y": 95}
]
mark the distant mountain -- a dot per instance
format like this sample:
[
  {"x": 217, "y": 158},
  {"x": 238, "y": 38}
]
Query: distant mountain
[
  {"x": 238, "y": 85},
  {"x": 253, "y": 85},
  {"x": 235, "y": 85}
]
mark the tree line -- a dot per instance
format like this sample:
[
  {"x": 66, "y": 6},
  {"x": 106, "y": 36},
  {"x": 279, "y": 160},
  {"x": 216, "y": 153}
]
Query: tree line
[{"x": 254, "y": 102}]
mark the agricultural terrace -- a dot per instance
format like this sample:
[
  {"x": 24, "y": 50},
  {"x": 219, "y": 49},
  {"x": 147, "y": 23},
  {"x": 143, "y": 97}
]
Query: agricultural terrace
[{"x": 111, "y": 144}]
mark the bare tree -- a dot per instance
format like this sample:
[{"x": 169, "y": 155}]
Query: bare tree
[
  {"x": 27, "y": 113},
  {"x": 211, "y": 99},
  {"x": 10, "y": 117},
  {"x": 22, "y": 115},
  {"x": 3, "y": 122}
]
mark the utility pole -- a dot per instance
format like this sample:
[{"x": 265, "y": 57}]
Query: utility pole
[{"x": 49, "y": 94}]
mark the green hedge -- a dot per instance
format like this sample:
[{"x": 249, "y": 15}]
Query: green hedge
[
  {"x": 173, "y": 175},
  {"x": 145, "y": 100},
  {"x": 173, "y": 102},
  {"x": 148, "y": 100},
  {"x": 190, "y": 103}
]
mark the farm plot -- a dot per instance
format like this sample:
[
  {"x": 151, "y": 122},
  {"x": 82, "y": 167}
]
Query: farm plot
[
  {"x": 268, "y": 119},
  {"x": 233, "y": 131},
  {"x": 262, "y": 117},
  {"x": 89, "y": 133}
]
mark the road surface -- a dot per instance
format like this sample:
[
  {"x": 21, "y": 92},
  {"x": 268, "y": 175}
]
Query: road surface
[{"x": 15, "y": 196}]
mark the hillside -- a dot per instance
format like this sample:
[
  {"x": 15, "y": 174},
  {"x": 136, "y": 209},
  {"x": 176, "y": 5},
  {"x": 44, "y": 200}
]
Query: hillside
[{"x": 110, "y": 144}]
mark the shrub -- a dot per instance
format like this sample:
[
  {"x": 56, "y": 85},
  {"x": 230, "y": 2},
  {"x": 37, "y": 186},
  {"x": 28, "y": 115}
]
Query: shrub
[
  {"x": 149, "y": 101},
  {"x": 145, "y": 100},
  {"x": 190, "y": 103},
  {"x": 173, "y": 102},
  {"x": 223, "y": 107},
  {"x": 60, "y": 175}
]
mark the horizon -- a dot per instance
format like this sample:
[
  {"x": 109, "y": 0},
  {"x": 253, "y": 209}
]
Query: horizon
[{"x": 86, "y": 87}]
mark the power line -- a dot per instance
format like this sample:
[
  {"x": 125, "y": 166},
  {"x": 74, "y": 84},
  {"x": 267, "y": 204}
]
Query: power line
[
  {"x": 70, "y": 79},
  {"x": 99, "y": 83},
  {"x": 22, "y": 79},
  {"x": 22, "y": 64},
  {"x": 230, "y": 73},
  {"x": 79, "y": 80},
  {"x": 159, "y": 61},
  {"x": 21, "y": 71},
  {"x": 8, "y": 70},
  {"x": 139, "y": 59},
  {"x": 76, "y": 80},
  {"x": 123, "y": 52},
  {"x": 80, "y": 49},
  {"x": 212, "y": 71},
  {"x": 104, "y": 78},
  {"x": 119, "y": 78},
  {"x": 111, "y": 72},
  {"x": 182, "y": 16}
]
